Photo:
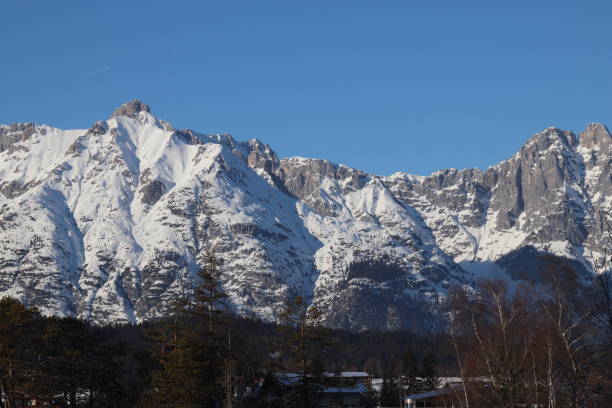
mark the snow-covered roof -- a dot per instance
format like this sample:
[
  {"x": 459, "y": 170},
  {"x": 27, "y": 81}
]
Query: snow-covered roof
[
  {"x": 348, "y": 374},
  {"x": 288, "y": 378},
  {"x": 429, "y": 394},
  {"x": 295, "y": 378},
  {"x": 358, "y": 388}
]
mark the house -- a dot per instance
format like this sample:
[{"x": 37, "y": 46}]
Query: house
[
  {"x": 345, "y": 389},
  {"x": 349, "y": 378},
  {"x": 282, "y": 388},
  {"x": 344, "y": 396}
]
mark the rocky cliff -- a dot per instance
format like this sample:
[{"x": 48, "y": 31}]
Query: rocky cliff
[{"x": 109, "y": 223}]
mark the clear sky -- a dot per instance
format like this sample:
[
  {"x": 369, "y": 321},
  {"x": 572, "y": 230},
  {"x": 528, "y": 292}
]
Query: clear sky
[{"x": 382, "y": 86}]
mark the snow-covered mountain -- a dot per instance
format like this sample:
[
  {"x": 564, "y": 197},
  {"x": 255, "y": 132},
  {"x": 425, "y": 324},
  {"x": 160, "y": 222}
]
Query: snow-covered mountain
[{"x": 109, "y": 223}]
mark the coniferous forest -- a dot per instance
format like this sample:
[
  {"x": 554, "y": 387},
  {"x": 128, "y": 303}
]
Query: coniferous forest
[{"x": 541, "y": 346}]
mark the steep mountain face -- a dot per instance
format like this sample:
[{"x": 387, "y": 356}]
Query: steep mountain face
[
  {"x": 549, "y": 196},
  {"x": 109, "y": 223}
]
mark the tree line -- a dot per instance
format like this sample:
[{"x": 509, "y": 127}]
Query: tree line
[
  {"x": 198, "y": 355},
  {"x": 546, "y": 345},
  {"x": 62, "y": 358}
]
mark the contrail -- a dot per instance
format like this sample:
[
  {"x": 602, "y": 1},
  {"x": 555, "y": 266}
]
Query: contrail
[{"x": 97, "y": 71}]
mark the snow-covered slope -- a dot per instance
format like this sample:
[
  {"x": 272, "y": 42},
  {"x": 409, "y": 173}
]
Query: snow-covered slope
[{"x": 109, "y": 223}]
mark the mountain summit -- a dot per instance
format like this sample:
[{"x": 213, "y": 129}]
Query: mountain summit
[
  {"x": 109, "y": 223},
  {"x": 131, "y": 109}
]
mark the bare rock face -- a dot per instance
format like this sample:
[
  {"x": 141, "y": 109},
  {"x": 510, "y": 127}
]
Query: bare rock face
[
  {"x": 12, "y": 189},
  {"x": 304, "y": 179},
  {"x": 152, "y": 192},
  {"x": 109, "y": 223},
  {"x": 188, "y": 136},
  {"x": 17, "y": 132},
  {"x": 544, "y": 197},
  {"x": 262, "y": 157},
  {"x": 596, "y": 151},
  {"x": 596, "y": 136},
  {"x": 131, "y": 109},
  {"x": 99, "y": 128}
]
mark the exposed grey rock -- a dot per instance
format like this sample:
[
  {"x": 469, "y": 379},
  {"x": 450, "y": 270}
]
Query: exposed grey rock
[
  {"x": 75, "y": 147},
  {"x": 131, "y": 109},
  {"x": 531, "y": 265},
  {"x": 12, "y": 189},
  {"x": 167, "y": 125},
  {"x": 303, "y": 178},
  {"x": 188, "y": 136},
  {"x": 596, "y": 135},
  {"x": 152, "y": 192},
  {"x": 262, "y": 157},
  {"x": 17, "y": 132},
  {"x": 99, "y": 128},
  {"x": 113, "y": 230}
]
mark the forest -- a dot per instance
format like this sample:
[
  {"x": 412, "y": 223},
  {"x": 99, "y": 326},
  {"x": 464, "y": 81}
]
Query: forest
[{"x": 548, "y": 345}]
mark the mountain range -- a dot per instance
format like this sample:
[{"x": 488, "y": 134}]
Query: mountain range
[{"x": 110, "y": 223}]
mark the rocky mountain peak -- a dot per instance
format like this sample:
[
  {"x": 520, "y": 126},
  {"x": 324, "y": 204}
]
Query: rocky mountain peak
[
  {"x": 262, "y": 157},
  {"x": 109, "y": 223},
  {"x": 595, "y": 134},
  {"x": 131, "y": 109},
  {"x": 549, "y": 136},
  {"x": 17, "y": 132},
  {"x": 98, "y": 128}
]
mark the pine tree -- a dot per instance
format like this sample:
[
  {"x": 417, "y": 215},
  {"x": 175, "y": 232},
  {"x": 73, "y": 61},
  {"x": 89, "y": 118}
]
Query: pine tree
[
  {"x": 184, "y": 356},
  {"x": 195, "y": 367},
  {"x": 209, "y": 304},
  {"x": 70, "y": 357},
  {"x": 410, "y": 372},
  {"x": 384, "y": 392},
  {"x": 389, "y": 392},
  {"x": 301, "y": 342},
  {"x": 429, "y": 373},
  {"x": 18, "y": 357},
  {"x": 66, "y": 342},
  {"x": 210, "y": 297}
]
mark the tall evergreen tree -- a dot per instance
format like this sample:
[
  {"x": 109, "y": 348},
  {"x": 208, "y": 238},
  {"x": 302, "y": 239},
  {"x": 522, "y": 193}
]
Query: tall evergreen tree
[
  {"x": 384, "y": 392},
  {"x": 301, "y": 342},
  {"x": 389, "y": 393},
  {"x": 194, "y": 361},
  {"x": 174, "y": 380},
  {"x": 410, "y": 372},
  {"x": 210, "y": 297},
  {"x": 18, "y": 328},
  {"x": 209, "y": 305},
  {"x": 429, "y": 377}
]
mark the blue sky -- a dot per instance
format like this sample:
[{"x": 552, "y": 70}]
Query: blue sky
[{"x": 382, "y": 86}]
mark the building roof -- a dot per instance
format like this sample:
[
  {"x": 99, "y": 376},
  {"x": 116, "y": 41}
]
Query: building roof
[
  {"x": 430, "y": 394},
  {"x": 288, "y": 378},
  {"x": 348, "y": 374},
  {"x": 356, "y": 389},
  {"x": 293, "y": 378},
  {"x": 354, "y": 374}
]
